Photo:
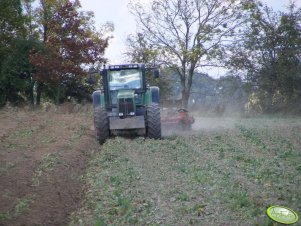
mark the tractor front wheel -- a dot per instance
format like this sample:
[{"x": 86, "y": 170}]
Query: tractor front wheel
[
  {"x": 153, "y": 121},
  {"x": 101, "y": 124}
]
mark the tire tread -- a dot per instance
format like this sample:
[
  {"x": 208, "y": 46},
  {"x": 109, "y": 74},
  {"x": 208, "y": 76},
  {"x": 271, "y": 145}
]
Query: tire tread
[
  {"x": 101, "y": 124},
  {"x": 153, "y": 121}
]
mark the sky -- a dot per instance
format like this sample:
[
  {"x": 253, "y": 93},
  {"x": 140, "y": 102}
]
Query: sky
[{"x": 117, "y": 11}]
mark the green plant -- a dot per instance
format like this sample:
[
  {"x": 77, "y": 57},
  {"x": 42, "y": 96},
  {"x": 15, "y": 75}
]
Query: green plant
[
  {"x": 22, "y": 205},
  {"x": 4, "y": 216},
  {"x": 239, "y": 199},
  {"x": 183, "y": 197},
  {"x": 77, "y": 135},
  {"x": 48, "y": 162},
  {"x": 7, "y": 166}
]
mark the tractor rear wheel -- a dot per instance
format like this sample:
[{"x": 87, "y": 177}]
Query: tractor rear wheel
[
  {"x": 101, "y": 124},
  {"x": 153, "y": 121}
]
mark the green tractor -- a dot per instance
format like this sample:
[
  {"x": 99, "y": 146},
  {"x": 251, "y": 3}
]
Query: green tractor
[{"x": 126, "y": 104}]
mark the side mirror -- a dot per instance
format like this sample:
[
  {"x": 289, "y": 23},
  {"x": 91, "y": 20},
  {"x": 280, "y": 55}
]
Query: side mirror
[{"x": 156, "y": 73}]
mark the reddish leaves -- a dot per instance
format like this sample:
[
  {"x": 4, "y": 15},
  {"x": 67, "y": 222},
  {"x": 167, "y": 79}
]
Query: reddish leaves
[{"x": 71, "y": 42}]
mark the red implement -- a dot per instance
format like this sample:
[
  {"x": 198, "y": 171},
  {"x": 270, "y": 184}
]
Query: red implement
[{"x": 179, "y": 118}]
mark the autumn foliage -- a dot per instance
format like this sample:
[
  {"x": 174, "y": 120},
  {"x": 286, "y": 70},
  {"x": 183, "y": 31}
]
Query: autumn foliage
[{"x": 70, "y": 44}]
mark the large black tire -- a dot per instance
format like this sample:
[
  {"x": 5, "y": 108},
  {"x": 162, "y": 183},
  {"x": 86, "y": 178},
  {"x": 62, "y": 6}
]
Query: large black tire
[
  {"x": 153, "y": 121},
  {"x": 101, "y": 124}
]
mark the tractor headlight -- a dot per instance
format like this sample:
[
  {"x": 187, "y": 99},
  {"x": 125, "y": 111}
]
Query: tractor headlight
[
  {"x": 120, "y": 114},
  {"x": 132, "y": 113}
]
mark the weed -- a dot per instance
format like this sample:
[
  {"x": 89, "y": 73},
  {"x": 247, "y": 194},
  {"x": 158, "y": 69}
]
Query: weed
[
  {"x": 238, "y": 199},
  {"x": 100, "y": 222},
  {"x": 200, "y": 177},
  {"x": 7, "y": 194},
  {"x": 252, "y": 136},
  {"x": 7, "y": 167},
  {"x": 22, "y": 205},
  {"x": 183, "y": 197},
  {"x": 24, "y": 133},
  {"x": 47, "y": 164},
  {"x": 115, "y": 180},
  {"x": 49, "y": 140},
  {"x": 5, "y": 216},
  {"x": 77, "y": 135},
  {"x": 197, "y": 208}
]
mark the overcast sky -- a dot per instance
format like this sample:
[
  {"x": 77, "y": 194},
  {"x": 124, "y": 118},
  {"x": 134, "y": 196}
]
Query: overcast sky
[{"x": 116, "y": 11}]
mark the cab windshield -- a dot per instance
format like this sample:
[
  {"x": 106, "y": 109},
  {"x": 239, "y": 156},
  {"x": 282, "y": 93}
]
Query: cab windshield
[{"x": 125, "y": 79}]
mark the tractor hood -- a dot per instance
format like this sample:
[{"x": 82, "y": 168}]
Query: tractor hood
[{"x": 125, "y": 94}]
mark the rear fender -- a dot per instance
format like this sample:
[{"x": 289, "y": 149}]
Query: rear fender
[
  {"x": 98, "y": 99},
  {"x": 155, "y": 94}
]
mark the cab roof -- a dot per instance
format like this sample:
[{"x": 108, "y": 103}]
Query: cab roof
[{"x": 125, "y": 66}]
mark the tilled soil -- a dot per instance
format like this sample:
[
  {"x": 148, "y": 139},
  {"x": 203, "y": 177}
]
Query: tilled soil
[{"x": 42, "y": 158}]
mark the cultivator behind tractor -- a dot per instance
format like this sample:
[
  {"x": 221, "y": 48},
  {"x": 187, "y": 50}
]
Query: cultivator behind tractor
[
  {"x": 177, "y": 119},
  {"x": 126, "y": 104}
]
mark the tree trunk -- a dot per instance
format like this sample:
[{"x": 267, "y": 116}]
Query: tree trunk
[
  {"x": 186, "y": 86},
  {"x": 185, "y": 98},
  {"x": 58, "y": 94},
  {"x": 39, "y": 92},
  {"x": 36, "y": 93}
]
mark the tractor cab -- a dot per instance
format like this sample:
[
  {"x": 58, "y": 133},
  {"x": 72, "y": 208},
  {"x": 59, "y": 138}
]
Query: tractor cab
[{"x": 125, "y": 88}]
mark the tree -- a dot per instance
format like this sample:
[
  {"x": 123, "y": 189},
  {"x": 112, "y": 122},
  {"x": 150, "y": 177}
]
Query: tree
[
  {"x": 70, "y": 41},
  {"x": 140, "y": 51},
  {"x": 30, "y": 19},
  {"x": 231, "y": 95},
  {"x": 16, "y": 72},
  {"x": 269, "y": 53},
  {"x": 188, "y": 34},
  {"x": 11, "y": 28},
  {"x": 11, "y": 22}
]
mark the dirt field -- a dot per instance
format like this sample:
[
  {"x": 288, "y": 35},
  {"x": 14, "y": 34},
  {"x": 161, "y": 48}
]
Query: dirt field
[
  {"x": 226, "y": 171},
  {"x": 42, "y": 158}
]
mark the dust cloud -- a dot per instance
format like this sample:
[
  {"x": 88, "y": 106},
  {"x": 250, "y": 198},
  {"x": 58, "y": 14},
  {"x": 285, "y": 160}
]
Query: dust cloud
[
  {"x": 206, "y": 124},
  {"x": 214, "y": 124}
]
